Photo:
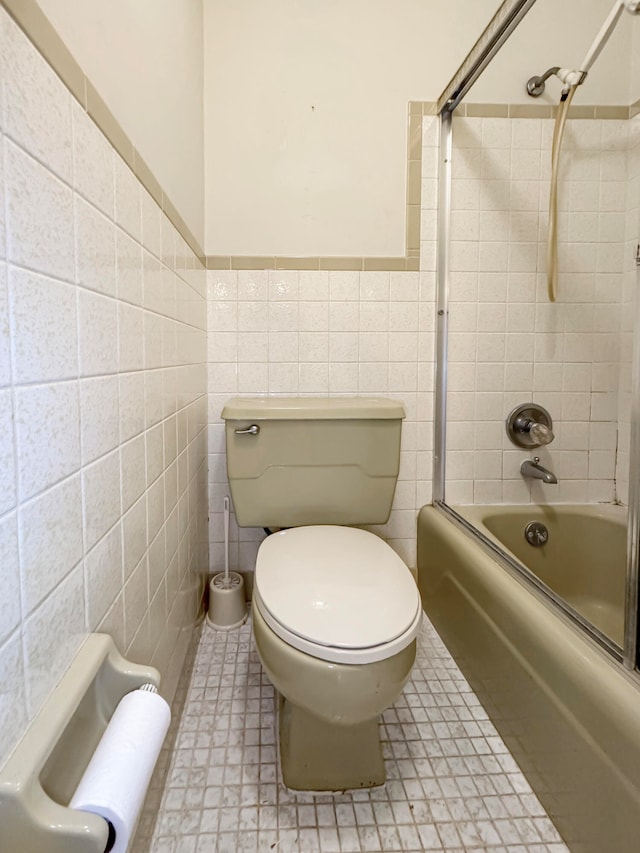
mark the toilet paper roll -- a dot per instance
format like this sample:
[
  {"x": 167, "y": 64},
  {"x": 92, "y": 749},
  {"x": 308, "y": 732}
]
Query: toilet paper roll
[{"x": 117, "y": 777}]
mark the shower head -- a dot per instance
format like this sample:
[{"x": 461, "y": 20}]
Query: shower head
[
  {"x": 567, "y": 76},
  {"x": 632, "y": 6}
]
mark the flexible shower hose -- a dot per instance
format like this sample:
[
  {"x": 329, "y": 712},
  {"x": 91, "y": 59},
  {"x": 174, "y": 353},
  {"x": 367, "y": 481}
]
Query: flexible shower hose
[{"x": 552, "y": 242}]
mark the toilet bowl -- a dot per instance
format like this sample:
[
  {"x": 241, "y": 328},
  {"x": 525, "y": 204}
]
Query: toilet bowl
[
  {"x": 335, "y": 610},
  {"x": 338, "y": 644}
]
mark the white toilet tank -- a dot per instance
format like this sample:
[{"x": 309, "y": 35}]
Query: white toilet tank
[{"x": 312, "y": 460}]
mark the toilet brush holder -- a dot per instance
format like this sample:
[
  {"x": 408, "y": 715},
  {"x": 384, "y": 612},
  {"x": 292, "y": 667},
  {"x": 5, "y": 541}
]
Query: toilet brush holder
[{"x": 227, "y": 605}]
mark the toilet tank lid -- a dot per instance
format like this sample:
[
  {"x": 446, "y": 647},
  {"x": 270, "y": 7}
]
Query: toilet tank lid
[{"x": 312, "y": 408}]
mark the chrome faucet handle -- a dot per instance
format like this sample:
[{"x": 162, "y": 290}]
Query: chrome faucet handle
[{"x": 541, "y": 433}]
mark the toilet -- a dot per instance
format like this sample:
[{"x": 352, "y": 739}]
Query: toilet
[{"x": 335, "y": 610}]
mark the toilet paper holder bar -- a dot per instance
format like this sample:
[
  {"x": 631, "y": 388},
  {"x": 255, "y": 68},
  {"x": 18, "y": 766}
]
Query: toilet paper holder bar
[{"x": 40, "y": 776}]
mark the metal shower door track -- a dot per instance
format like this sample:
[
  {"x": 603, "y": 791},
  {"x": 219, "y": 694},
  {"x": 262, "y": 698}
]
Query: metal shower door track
[{"x": 498, "y": 30}]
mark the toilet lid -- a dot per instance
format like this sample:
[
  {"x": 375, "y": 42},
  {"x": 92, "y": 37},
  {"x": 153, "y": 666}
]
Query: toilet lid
[{"x": 338, "y": 588}]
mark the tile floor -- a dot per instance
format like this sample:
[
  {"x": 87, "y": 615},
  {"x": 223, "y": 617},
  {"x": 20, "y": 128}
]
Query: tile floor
[{"x": 451, "y": 783}]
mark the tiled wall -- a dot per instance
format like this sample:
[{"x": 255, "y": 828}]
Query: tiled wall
[
  {"x": 102, "y": 400},
  {"x": 319, "y": 333},
  {"x": 508, "y": 344},
  {"x": 303, "y": 332}
]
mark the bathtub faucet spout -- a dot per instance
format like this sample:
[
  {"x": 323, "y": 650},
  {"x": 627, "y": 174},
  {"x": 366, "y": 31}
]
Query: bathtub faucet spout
[{"x": 537, "y": 471}]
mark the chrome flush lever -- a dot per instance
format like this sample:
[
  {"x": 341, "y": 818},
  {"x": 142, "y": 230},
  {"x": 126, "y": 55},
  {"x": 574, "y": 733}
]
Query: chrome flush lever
[{"x": 254, "y": 429}]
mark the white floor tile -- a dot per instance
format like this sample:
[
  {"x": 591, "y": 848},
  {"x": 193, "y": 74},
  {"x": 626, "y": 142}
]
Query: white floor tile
[{"x": 451, "y": 783}]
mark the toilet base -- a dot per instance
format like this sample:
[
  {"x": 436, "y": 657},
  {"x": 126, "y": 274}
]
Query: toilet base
[{"x": 318, "y": 756}]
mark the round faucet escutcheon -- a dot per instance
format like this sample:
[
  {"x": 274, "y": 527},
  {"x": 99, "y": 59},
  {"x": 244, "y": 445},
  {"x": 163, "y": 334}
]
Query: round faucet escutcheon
[{"x": 529, "y": 425}]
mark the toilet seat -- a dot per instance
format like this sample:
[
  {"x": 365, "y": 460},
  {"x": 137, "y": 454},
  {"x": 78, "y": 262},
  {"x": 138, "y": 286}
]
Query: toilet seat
[{"x": 336, "y": 593}]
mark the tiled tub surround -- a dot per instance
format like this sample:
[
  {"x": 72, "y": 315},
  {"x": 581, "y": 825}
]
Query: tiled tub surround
[
  {"x": 507, "y": 343},
  {"x": 451, "y": 783},
  {"x": 102, "y": 400}
]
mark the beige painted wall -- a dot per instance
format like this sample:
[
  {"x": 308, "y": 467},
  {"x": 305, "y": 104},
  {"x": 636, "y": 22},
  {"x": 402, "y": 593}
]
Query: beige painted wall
[
  {"x": 305, "y": 118},
  {"x": 297, "y": 162},
  {"x": 305, "y": 108},
  {"x": 561, "y": 33},
  {"x": 145, "y": 59}
]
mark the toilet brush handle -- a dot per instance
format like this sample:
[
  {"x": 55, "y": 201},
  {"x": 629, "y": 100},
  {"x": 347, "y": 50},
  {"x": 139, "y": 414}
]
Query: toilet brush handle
[{"x": 226, "y": 539}]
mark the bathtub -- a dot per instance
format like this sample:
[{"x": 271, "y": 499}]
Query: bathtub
[
  {"x": 582, "y": 563},
  {"x": 567, "y": 709}
]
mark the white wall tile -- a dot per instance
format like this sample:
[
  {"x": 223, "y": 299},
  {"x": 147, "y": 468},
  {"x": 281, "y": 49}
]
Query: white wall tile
[
  {"x": 153, "y": 396},
  {"x": 133, "y": 467},
  {"x": 314, "y": 346},
  {"x": 100, "y": 497},
  {"x": 313, "y": 286},
  {"x": 99, "y": 416},
  {"x": 13, "y": 701},
  {"x": 39, "y": 217},
  {"x": 92, "y": 162},
  {"x": 155, "y": 508},
  {"x": 245, "y": 285},
  {"x": 343, "y": 378},
  {"x": 5, "y": 342},
  {"x": 313, "y": 378},
  {"x": 314, "y": 316},
  {"x": 10, "y": 609},
  {"x": 98, "y": 334},
  {"x": 132, "y": 413},
  {"x": 154, "y": 452},
  {"x": 52, "y": 635},
  {"x": 103, "y": 576},
  {"x": 113, "y": 623},
  {"x": 344, "y": 286},
  {"x": 130, "y": 338},
  {"x": 44, "y": 328},
  {"x": 7, "y": 445},
  {"x": 129, "y": 268},
  {"x": 134, "y": 536},
  {"x": 151, "y": 226},
  {"x": 344, "y": 316},
  {"x": 152, "y": 293},
  {"x": 37, "y": 106},
  {"x": 153, "y": 340},
  {"x": 223, "y": 316},
  {"x": 95, "y": 249},
  {"x": 283, "y": 285},
  {"x": 136, "y": 599},
  {"x": 48, "y": 435},
  {"x": 128, "y": 212},
  {"x": 283, "y": 316},
  {"x": 3, "y": 234},
  {"x": 50, "y": 540}
]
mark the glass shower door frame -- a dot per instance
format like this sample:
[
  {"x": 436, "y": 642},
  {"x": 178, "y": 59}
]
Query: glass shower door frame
[{"x": 504, "y": 22}]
